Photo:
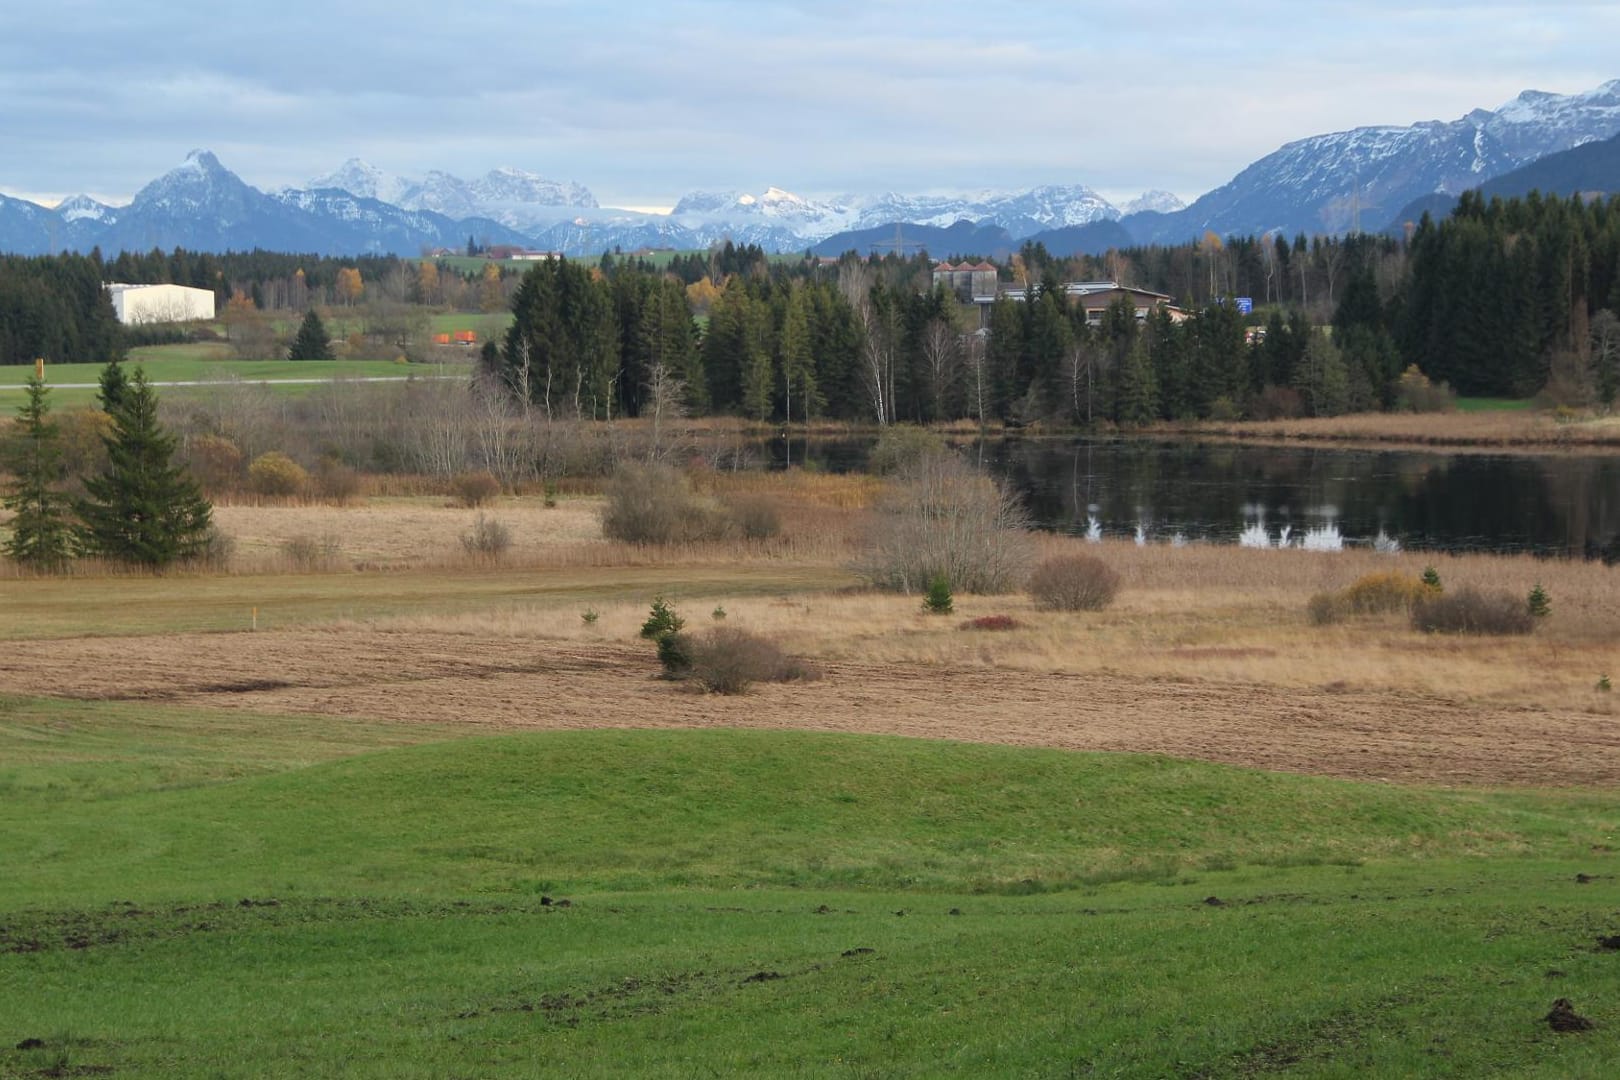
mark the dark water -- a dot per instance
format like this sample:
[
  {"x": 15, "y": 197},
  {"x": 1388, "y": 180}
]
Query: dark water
[{"x": 1547, "y": 505}]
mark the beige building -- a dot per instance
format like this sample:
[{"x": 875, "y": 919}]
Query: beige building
[{"x": 140, "y": 304}]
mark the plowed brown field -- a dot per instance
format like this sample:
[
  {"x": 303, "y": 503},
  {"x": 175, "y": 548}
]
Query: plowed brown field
[{"x": 511, "y": 683}]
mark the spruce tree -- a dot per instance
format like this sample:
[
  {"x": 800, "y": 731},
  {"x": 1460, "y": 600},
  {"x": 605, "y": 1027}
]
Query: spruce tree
[
  {"x": 113, "y": 384},
  {"x": 144, "y": 509},
  {"x": 310, "y": 344},
  {"x": 41, "y": 537}
]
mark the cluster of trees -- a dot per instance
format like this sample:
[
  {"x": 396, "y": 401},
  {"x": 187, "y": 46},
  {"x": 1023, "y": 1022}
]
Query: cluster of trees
[
  {"x": 143, "y": 508},
  {"x": 55, "y": 307},
  {"x": 1509, "y": 297}
]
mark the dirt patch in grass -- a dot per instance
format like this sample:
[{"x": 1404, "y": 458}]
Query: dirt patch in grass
[{"x": 514, "y": 683}]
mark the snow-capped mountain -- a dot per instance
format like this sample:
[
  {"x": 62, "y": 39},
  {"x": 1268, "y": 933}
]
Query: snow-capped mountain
[
  {"x": 1154, "y": 202},
  {"x": 84, "y": 208},
  {"x": 1339, "y": 181},
  {"x": 1021, "y": 213},
  {"x": 517, "y": 199}
]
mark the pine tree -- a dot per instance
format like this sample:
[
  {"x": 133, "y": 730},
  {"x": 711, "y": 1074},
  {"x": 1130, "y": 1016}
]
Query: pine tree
[
  {"x": 113, "y": 383},
  {"x": 311, "y": 342},
  {"x": 144, "y": 509},
  {"x": 41, "y": 537}
]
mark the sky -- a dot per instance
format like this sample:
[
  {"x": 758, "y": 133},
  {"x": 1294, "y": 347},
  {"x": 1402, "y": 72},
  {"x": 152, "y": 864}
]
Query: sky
[{"x": 643, "y": 102}]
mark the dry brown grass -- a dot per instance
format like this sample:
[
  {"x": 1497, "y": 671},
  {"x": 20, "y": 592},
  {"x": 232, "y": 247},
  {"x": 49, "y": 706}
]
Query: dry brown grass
[{"x": 1484, "y": 431}]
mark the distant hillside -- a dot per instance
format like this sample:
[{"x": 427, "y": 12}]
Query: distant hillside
[
  {"x": 963, "y": 238},
  {"x": 1593, "y": 168}
]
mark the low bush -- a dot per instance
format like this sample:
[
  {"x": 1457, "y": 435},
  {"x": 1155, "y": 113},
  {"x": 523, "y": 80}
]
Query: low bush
[
  {"x": 312, "y": 553},
  {"x": 1415, "y": 393},
  {"x": 902, "y": 446},
  {"x": 1073, "y": 583},
  {"x": 655, "y": 504},
  {"x": 275, "y": 474},
  {"x": 756, "y": 518},
  {"x": 937, "y": 600},
  {"x": 1472, "y": 611},
  {"x": 215, "y": 461},
  {"x": 728, "y": 660},
  {"x": 475, "y": 489},
  {"x": 336, "y": 482},
  {"x": 991, "y": 622},
  {"x": 1325, "y": 608},
  {"x": 217, "y": 550},
  {"x": 1374, "y": 594},
  {"x": 487, "y": 539}
]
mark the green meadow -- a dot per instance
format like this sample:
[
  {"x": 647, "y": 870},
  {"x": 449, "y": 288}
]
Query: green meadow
[{"x": 217, "y": 893}]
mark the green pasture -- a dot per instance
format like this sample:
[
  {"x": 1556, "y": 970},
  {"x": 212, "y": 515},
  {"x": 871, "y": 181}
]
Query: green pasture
[
  {"x": 196, "y": 893},
  {"x": 1481, "y": 404}
]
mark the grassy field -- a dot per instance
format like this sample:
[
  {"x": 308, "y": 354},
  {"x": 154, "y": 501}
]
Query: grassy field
[
  {"x": 73, "y": 384},
  {"x": 429, "y": 821},
  {"x": 264, "y": 895},
  {"x": 1480, "y": 404}
]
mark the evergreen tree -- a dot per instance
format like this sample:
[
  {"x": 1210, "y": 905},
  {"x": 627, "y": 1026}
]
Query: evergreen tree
[
  {"x": 1137, "y": 403},
  {"x": 311, "y": 342},
  {"x": 113, "y": 383},
  {"x": 144, "y": 509},
  {"x": 41, "y": 537}
]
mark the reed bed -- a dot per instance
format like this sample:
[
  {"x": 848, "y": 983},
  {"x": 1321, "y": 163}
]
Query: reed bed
[{"x": 1481, "y": 431}]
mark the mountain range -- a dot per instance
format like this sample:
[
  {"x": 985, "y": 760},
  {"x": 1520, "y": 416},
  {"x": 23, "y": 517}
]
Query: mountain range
[{"x": 1323, "y": 184}]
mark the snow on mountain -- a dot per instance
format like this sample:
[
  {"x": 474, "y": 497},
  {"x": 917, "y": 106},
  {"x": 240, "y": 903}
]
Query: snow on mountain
[
  {"x": 365, "y": 180},
  {"x": 1345, "y": 179},
  {"x": 1021, "y": 213},
  {"x": 1156, "y": 202},
  {"x": 76, "y": 208},
  {"x": 783, "y": 217}
]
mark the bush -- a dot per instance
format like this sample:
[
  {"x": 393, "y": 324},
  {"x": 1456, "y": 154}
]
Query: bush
[
  {"x": 991, "y": 622},
  {"x": 756, "y": 518},
  {"x": 901, "y": 446},
  {"x": 475, "y": 489},
  {"x": 216, "y": 551},
  {"x": 276, "y": 474},
  {"x": 1378, "y": 593},
  {"x": 1431, "y": 579},
  {"x": 336, "y": 482},
  {"x": 727, "y": 660},
  {"x": 1472, "y": 611},
  {"x": 675, "y": 654},
  {"x": 1278, "y": 403},
  {"x": 312, "y": 553},
  {"x": 1325, "y": 608},
  {"x": 1538, "y": 604},
  {"x": 1415, "y": 393},
  {"x": 944, "y": 518},
  {"x": 1073, "y": 583},
  {"x": 655, "y": 504},
  {"x": 215, "y": 461},
  {"x": 487, "y": 539}
]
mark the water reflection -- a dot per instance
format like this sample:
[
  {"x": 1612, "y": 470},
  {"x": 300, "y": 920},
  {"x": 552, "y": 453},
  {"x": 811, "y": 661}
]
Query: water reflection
[{"x": 1326, "y": 499}]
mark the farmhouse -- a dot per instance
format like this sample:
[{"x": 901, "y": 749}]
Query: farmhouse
[
  {"x": 140, "y": 304},
  {"x": 1096, "y": 297}
]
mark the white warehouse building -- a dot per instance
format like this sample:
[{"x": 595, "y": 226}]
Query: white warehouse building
[{"x": 137, "y": 304}]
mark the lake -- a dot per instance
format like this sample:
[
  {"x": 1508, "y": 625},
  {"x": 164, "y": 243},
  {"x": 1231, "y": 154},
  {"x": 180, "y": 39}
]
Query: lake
[{"x": 1175, "y": 491}]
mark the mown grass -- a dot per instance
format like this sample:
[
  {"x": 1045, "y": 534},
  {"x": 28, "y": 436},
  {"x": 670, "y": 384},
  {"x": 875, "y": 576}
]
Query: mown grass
[
  {"x": 335, "y": 903},
  {"x": 1485, "y": 404}
]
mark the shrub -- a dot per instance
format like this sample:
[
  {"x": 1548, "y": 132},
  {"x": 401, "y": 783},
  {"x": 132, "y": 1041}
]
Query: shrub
[
  {"x": 475, "y": 489},
  {"x": 938, "y": 601},
  {"x": 1431, "y": 579},
  {"x": 901, "y": 446},
  {"x": 675, "y": 654},
  {"x": 1073, "y": 583},
  {"x": 336, "y": 482},
  {"x": 727, "y": 660},
  {"x": 944, "y": 518},
  {"x": 589, "y": 616},
  {"x": 215, "y": 461},
  {"x": 756, "y": 518},
  {"x": 1278, "y": 403},
  {"x": 487, "y": 539},
  {"x": 312, "y": 553},
  {"x": 216, "y": 551},
  {"x": 1390, "y": 591},
  {"x": 661, "y": 621},
  {"x": 1472, "y": 611},
  {"x": 991, "y": 622},
  {"x": 276, "y": 474},
  {"x": 1537, "y": 603},
  {"x": 1325, "y": 608},
  {"x": 1415, "y": 393},
  {"x": 655, "y": 504}
]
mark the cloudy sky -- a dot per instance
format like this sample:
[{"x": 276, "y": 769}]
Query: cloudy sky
[{"x": 642, "y": 102}]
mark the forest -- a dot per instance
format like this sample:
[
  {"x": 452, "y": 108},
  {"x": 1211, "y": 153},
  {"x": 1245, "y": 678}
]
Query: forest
[{"x": 1508, "y": 299}]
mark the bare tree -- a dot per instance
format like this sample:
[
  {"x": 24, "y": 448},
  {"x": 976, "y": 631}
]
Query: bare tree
[
  {"x": 666, "y": 401},
  {"x": 941, "y": 350}
]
